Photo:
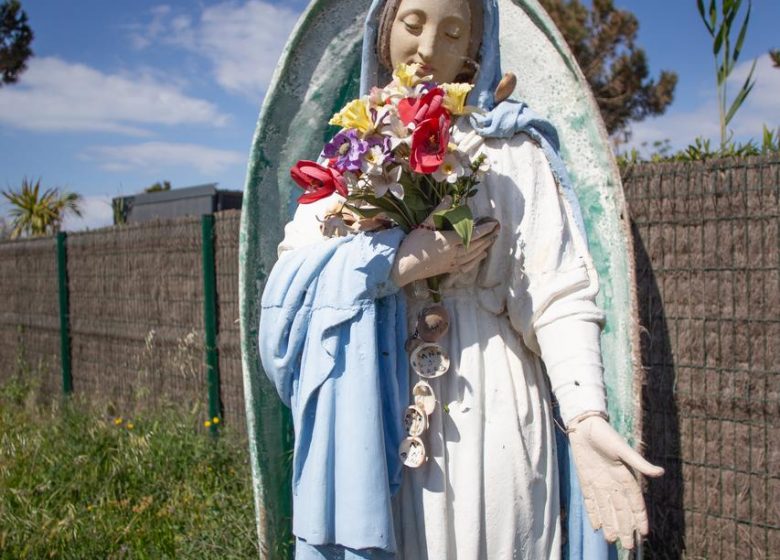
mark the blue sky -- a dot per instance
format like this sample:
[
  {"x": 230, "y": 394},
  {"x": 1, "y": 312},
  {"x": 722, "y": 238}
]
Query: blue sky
[{"x": 123, "y": 94}]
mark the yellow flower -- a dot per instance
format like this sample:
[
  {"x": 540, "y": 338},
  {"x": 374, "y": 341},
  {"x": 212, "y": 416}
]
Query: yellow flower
[
  {"x": 130, "y": 425},
  {"x": 406, "y": 74},
  {"x": 118, "y": 421},
  {"x": 354, "y": 115},
  {"x": 207, "y": 423},
  {"x": 455, "y": 97},
  {"x": 215, "y": 420}
]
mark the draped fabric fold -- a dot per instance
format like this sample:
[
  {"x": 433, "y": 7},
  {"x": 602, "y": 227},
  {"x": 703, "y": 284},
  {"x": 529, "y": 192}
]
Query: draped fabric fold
[{"x": 332, "y": 327}]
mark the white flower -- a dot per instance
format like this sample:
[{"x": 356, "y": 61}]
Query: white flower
[
  {"x": 395, "y": 130},
  {"x": 450, "y": 169},
  {"x": 389, "y": 181},
  {"x": 374, "y": 161}
]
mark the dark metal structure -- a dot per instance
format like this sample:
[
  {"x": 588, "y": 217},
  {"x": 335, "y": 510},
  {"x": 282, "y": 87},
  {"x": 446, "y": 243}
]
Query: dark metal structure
[{"x": 175, "y": 203}]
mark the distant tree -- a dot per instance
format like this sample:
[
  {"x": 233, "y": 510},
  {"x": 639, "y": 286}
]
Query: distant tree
[
  {"x": 602, "y": 39},
  {"x": 774, "y": 54},
  {"x": 35, "y": 213},
  {"x": 15, "y": 39},
  {"x": 158, "y": 186}
]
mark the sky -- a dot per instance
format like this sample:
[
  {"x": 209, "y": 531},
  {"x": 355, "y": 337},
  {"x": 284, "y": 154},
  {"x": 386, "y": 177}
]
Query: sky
[{"x": 123, "y": 94}]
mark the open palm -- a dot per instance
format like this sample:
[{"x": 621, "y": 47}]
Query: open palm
[{"x": 613, "y": 497}]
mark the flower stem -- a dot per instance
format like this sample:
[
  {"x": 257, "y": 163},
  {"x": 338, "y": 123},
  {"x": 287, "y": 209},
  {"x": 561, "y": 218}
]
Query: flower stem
[{"x": 433, "y": 287}]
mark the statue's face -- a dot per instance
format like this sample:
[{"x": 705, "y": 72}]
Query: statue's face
[{"x": 434, "y": 33}]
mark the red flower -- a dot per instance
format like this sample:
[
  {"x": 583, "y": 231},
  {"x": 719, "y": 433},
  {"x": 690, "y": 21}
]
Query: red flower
[
  {"x": 429, "y": 144},
  {"x": 317, "y": 181},
  {"x": 419, "y": 109}
]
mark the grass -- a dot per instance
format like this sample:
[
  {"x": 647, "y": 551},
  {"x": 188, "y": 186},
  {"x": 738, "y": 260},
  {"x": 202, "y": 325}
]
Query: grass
[{"x": 77, "y": 483}]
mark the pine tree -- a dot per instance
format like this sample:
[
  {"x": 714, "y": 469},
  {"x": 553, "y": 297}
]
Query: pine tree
[
  {"x": 15, "y": 39},
  {"x": 602, "y": 40}
]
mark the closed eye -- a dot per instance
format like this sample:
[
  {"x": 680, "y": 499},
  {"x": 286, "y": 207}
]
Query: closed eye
[{"x": 454, "y": 32}]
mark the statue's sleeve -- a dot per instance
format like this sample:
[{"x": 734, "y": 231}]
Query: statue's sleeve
[
  {"x": 553, "y": 289},
  {"x": 304, "y": 228}
]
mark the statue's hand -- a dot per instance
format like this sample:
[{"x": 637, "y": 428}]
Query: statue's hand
[
  {"x": 613, "y": 498},
  {"x": 426, "y": 253}
]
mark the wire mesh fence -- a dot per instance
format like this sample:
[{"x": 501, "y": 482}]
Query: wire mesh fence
[{"x": 708, "y": 270}]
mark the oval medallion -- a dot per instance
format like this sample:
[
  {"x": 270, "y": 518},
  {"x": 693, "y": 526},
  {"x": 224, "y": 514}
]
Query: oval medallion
[
  {"x": 424, "y": 398},
  {"x": 430, "y": 360},
  {"x": 412, "y": 452},
  {"x": 415, "y": 421}
]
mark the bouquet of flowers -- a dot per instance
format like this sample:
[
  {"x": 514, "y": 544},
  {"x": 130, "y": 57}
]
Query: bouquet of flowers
[{"x": 394, "y": 161}]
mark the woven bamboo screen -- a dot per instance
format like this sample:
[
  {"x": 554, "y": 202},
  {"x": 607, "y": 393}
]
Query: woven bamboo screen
[
  {"x": 229, "y": 340},
  {"x": 29, "y": 312},
  {"x": 708, "y": 268},
  {"x": 136, "y": 301}
]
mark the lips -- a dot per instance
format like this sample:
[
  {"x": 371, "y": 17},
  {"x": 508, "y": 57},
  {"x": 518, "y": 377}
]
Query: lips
[{"x": 425, "y": 69}]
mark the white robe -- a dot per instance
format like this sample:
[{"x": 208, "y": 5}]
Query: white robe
[{"x": 489, "y": 489}]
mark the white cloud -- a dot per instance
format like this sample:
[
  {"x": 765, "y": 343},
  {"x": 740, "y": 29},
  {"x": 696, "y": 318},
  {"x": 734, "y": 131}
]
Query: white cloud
[
  {"x": 57, "y": 95},
  {"x": 158, "y": 155},
  {"x": 95, "y": 213},
  {"x": 143, "y": 36},
  {"x": 762, "y": 107},
  {"x": 242, "y": 41}
]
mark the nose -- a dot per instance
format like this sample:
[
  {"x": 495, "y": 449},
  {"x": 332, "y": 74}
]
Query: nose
[{"x": 426, "y": 45}]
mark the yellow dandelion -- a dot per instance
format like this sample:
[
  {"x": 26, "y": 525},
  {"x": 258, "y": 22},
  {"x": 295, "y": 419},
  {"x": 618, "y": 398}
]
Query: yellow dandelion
[
  {"x": 355, "y": 115},
  {"x": 130, "y": 425},
  {"x": 215, "y": 420},
  {"x": 118, "y": 421},
  {"x": 207, "y": 423}
]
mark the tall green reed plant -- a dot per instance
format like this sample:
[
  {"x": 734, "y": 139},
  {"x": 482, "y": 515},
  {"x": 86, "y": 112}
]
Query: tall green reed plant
[{"x": 719, "y": 24}]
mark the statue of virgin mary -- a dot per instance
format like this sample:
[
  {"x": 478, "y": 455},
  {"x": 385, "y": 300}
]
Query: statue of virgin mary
[{"x": 524, "y": 343}]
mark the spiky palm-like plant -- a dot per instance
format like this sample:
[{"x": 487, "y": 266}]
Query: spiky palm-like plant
[{"x": 35, "y": 213}]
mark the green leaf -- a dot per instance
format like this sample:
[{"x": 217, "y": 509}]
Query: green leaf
[
  {"x": 741, "y": 37},
  {"x": 391, "y": 209},
  {"x": 461, "y": 220},
  {"x": 743, "y": 93},
  {"x": 702, "y": 13},
  {"x": 722, "y": 73},
  {"x": 414, "y": 201},
  {"x": 722, "y": 32},
  {"x": 365, "y": 212},
  {"x": 713, "y": 16}
]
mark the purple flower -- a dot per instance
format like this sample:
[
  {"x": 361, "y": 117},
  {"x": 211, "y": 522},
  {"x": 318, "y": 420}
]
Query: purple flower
[
  {"x": 377, "y": 156},
  {"x": 346, "y": 149}
]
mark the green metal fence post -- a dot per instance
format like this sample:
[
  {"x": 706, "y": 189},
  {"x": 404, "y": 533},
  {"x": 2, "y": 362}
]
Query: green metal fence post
[
  {"x": 210, "y": 320},
  {"x": 62, "y": 274}
]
